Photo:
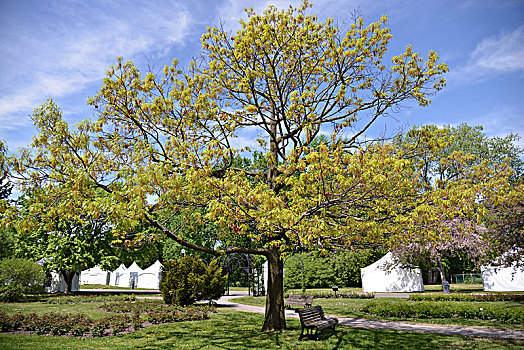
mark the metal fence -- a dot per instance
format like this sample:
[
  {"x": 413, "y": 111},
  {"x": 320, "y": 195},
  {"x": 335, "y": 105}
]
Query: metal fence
[{"x": 468, "y": 278}]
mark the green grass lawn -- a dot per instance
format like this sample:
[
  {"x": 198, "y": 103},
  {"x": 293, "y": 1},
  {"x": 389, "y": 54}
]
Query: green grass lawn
[
  {"x": 352, "y": 307},
  {"x": 229, "y": 329}
]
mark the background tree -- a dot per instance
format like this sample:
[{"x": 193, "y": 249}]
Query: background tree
[
  {"x": 69, "y": 247},
  {"x": 6, "y": 235},
  {"x": 318, "y": 272},
  {"x": 474, "y": 148},
  {"x": 460, "y": 239},
  {"x": 5, "y": 185},
  {"x": 286, "y": 77},
  {"x": 347, "y": 264},
  {"x": 505, "y": 221}
]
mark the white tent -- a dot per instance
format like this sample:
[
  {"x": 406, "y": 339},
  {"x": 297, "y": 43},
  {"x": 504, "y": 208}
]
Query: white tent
[
  {"x": 385, "y": 275},
  {"x": 150, "y": 278},
  {"x": 95, "y": 275},
  {"x": 55, "y": 283},
  {"x": 120, "y": 277},
  {"x": 134, "y": 271},
  {"x": 502, "y": 279}
]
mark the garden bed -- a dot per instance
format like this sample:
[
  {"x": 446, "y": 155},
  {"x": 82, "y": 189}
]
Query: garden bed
[{"x": 129, "y": 317}]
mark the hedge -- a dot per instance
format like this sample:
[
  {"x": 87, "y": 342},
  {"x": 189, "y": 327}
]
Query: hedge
[
  {"x": 433, "y": 309},
  {"x": 467, "y": 297}
]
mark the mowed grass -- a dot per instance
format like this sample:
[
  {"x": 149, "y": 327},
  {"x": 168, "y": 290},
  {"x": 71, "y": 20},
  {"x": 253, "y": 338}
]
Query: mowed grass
[
  {"x": 352, "y": 308},
  {"x": 90, "y": 309},
  {"x": 230, "y": 329}
]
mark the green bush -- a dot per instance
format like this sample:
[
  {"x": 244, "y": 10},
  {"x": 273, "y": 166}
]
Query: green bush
[
  {"x": 341, "y": 269},
  {"x": 318, "y": 272},
  {"x": 467, "y": 297},
  {"x": 347, "y": 265},
  {"x": 187, "y": 280},
  {"x": 434, "y": 309},
  {"x": 18, "y": 277}
]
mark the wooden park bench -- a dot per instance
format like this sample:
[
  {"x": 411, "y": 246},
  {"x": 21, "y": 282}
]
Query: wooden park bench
[
  {"x": 313, "y": 317},
  {"x": 299, "y": 300}
]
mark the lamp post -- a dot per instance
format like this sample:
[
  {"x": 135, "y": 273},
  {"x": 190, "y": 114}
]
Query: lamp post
[{"x": 335, "y": 289}]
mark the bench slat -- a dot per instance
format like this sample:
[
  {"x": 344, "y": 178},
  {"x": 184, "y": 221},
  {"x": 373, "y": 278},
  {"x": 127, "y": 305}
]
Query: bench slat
[{"x": 314, "y": 318}]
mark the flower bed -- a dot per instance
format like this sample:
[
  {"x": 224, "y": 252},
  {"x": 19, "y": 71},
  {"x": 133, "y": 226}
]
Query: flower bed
[
  {"x": 432, "y": 309},
  {"x": 80, "y": 325}
]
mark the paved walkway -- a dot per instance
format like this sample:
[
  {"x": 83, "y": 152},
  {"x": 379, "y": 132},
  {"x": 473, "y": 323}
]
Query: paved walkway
[{"x": 364, "y": 323}]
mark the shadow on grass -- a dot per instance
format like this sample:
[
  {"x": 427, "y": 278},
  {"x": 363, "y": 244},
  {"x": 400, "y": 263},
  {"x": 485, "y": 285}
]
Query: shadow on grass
[
  {"x": 240, "y": 330},
  {"x": 231, "y": 329}
]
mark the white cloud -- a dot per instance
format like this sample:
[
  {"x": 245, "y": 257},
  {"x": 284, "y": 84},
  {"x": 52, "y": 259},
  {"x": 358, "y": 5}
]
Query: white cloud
[
  {"x": 501, "y": 53},
  {"x": 501, "y": 121},
  {"x": 494, "y": 55},
  {"x": 61, "y": 49}
]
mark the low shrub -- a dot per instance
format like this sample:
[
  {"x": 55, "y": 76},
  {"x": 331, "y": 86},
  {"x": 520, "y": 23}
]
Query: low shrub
[
  {"x": 432, "y": 309},
  {"x": 467, "y": 297},
  {"x": 99, "y": 326}
]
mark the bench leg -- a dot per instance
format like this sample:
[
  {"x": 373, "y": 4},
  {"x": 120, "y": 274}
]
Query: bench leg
[{"x": 309, "y": 333}]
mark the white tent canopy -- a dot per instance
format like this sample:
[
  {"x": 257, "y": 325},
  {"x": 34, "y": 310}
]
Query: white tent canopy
[
  {"x": 150, "y": 278},
  {"x": 503, "y": 279},
  {"x": 134, "y": 271},
  {"x": 385, "y": 275},
  {"x": 120, "y": 277},
  {"x": 55, "y": 282},
  {"x": 95, "y": 275}
]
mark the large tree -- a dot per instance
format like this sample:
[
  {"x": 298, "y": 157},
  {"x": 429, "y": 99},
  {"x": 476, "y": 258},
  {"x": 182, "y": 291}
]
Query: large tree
[{"x": 162, "y": 145}]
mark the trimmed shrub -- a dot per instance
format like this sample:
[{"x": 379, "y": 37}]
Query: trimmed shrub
[
  {"x": 19, "y": 276},
  {"x": 187, "y": 280},
  {"x": 432, "y": 309},
  {"x": 467, "y": 297}
]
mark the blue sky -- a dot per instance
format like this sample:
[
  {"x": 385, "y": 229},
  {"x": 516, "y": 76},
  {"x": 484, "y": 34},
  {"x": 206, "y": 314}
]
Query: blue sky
[{"x": 61, "y": 49}]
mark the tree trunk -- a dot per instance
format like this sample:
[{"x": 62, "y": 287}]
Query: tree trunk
[
  {"x": 68, "y": 278},
  {"x": 432, "y": 277},
  {"x": 442, "y": 272},
  {"x": 275, "y": 318}
]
